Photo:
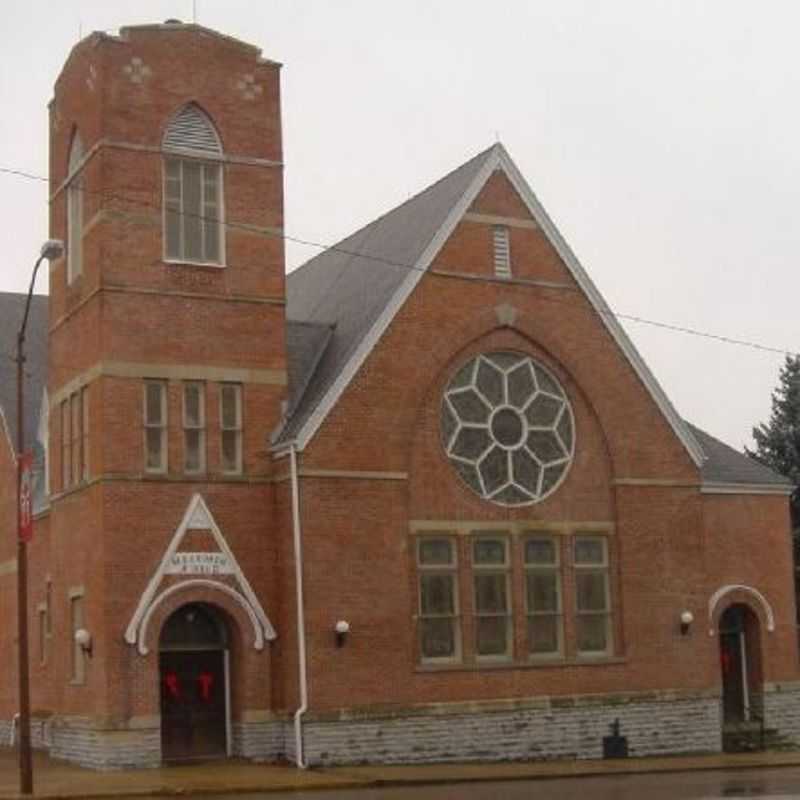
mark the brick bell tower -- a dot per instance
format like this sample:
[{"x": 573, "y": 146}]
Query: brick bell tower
[{"x": 167, "y": 369}]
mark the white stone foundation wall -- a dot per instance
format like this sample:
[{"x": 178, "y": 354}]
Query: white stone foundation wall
[
  {"x": 655, "y": 723},
  {"x": 78, "y": 741},
  {"x": 782, "y": 709},
  {"x": 259, "y": 741},
  {"x": 569, "y": 728}
]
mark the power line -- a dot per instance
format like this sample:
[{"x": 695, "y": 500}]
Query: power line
[{"x": 353, "y": 254}]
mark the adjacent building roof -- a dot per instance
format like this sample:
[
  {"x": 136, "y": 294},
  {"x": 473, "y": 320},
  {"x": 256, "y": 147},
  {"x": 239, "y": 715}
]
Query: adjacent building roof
[
  {"x": 725, "y": 465},
  {"x": 12, "y": 307}
]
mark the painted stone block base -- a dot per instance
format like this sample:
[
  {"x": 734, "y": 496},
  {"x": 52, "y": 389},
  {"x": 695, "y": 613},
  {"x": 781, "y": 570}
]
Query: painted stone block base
[
  {"x": 259, "y": 740},
  {"x": 782, "y": 710},
  {"x": 81, "y": 742},
  {"x": 548, "y": 728}
]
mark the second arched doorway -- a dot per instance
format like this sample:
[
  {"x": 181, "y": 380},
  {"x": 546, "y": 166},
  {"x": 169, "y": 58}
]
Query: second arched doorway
[
  {"x": 195, "y": 684},
  {"x": 740, "y": 663}
]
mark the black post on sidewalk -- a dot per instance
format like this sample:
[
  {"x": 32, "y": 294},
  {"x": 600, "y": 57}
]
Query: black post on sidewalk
[{"x": 51, "y": 249}]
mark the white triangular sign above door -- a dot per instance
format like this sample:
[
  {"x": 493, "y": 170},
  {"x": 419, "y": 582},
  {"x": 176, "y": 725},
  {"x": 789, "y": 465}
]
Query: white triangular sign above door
[{"x": 198, "y": 570}]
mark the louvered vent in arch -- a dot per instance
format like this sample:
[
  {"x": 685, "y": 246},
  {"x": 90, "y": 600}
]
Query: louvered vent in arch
[
  {"x": 191, "y": 130},
  {"x": 502, "y": 252}
]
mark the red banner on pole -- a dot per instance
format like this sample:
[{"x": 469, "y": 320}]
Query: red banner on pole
[{"x": 26, "y": 497}]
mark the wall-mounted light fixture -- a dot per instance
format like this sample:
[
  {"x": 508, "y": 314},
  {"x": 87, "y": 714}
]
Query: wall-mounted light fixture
[
  {"x": 84, "y": 640},
  {"x": 687, "y": 618},
  {"x": 342, "y": 628}
]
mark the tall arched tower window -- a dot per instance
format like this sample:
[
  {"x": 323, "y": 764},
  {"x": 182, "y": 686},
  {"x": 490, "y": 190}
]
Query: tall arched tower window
[
  {"x": 192, "y": 189},
  {"x": 74, "y": 211}
]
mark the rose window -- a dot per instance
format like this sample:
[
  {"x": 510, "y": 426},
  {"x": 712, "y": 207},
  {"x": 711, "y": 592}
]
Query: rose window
[{"x": 507, "y": 428}]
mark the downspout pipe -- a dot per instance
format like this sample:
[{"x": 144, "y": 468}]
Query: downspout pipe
[{"x": 301, "y": 624}]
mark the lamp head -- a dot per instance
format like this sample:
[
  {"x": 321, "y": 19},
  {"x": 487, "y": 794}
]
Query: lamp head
[
  {"x": 341, "y": 629},
  {"x": 84, "y": 640},
  {"x": 687, "y": 618},
  {"x": 52, "y": 249}
]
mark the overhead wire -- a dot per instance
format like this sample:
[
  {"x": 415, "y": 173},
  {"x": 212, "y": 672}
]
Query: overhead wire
[{"x": 354, "y": 254}]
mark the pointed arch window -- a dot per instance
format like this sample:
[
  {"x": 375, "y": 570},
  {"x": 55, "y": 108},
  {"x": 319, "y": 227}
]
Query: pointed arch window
[
  {"x": 193, "y": 211},
  {"x": 74, "y": 211}
]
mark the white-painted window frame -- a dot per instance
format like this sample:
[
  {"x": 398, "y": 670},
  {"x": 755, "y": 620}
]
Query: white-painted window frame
[
  {"x": 207, "y": 167},
  {"x": 197, "y": 428},
  {"x": 236, "y": 430},
  {"x": 598, "y": 568},
  {"x": 159, "y": 425},
  {"x": 449, "y": 570},
  {"x": 534, "y": 569},
  {"x": 502, "y": 571},
  {"x": 75, "y": 196}
]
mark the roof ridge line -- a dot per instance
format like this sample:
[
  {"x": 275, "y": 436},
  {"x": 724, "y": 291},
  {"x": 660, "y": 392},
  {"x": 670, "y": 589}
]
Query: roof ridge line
[{"x": 392, "y": 210}]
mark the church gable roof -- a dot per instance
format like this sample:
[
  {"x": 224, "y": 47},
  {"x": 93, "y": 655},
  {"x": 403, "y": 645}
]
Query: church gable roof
[{"x": 360, "y": 284}]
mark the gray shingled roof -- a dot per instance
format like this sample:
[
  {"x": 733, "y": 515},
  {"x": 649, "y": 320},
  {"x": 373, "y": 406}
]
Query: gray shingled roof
[
  {"x": 334, "y": 299},
  {"x": 350, "y": 284},
  {"x": 726, "y": 465},
  {"x": 12, "y": 307}
]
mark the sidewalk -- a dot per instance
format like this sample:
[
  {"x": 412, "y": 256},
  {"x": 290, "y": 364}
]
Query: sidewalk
[{"x": 55, "y": 779}]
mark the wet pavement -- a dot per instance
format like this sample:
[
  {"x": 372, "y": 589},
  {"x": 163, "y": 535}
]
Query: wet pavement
[
  {"x": 764, "y": 783},
  {"x": 766, "y": 775}
]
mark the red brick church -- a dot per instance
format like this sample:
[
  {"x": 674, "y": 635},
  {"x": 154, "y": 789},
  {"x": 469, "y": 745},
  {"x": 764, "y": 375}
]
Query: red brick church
[{"x": 420, "y": 500}]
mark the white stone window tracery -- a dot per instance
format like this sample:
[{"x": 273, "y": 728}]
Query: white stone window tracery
[{"x": 508, "y": 429}]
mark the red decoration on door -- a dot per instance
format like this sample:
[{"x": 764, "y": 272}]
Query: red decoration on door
[
  {"x": 726, "y": 660},
  {"x": 206, "y": 683},
  {"x": 172, "y": 684}
]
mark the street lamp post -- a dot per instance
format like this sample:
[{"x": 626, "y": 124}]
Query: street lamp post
[{"x": 51, "y": 249}]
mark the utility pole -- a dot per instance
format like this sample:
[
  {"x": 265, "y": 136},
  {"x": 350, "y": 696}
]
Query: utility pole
[{"x": 51, "y": 249}]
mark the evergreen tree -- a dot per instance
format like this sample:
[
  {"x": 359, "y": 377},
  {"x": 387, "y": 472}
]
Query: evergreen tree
[{"x": 778, "y": 441}]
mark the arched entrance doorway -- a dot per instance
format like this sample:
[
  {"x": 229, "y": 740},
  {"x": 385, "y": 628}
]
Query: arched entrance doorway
[
  {"x": 195, "y": 689},
  {"x": 740, "y": 663}
]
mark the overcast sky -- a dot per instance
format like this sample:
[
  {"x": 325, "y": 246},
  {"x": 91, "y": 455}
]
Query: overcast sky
[{"x": 662, "y": 137}]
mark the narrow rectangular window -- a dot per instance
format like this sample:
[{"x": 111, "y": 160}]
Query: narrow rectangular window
[
  {"x": 85, "y": 433},
  {"x": 155, "y": 426},
  {"x": 194, "y": 427},
  {"x": 543, "y": 596},
  {"x": 66, "y": 458},
  {"x": 76, "y": 623},
  {"x": 592, "y": 596},
  {"x": 502, "y": 251},
  {"x": 192, "y": 211},
  {"x": 439, "y": 634},
  {"x": 74, "y": 229},
  {"x": 172, "y": 202},
  {"x": 492, "y": 601},
  {"x": 211, "y": 215},
  {"x": 76, "y": 440},
  {"x": 48, "y": 604},
  {"x": 230, "y": 409}
]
